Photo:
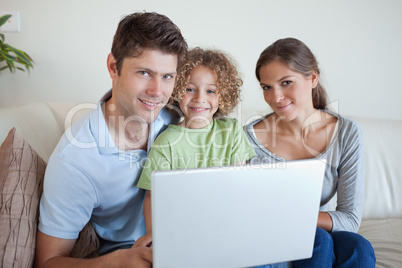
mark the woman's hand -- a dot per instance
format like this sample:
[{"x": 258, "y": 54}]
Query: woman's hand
[{"x": 324, "y": 221}]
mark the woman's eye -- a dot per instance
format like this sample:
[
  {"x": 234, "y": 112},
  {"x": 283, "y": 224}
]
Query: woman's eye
[
  {"x": 266, "y": 87},
  {"x": 286, "y": 83}
]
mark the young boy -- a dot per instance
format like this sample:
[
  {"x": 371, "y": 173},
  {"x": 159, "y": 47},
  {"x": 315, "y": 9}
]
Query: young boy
[{"x": 207, "y": 89}]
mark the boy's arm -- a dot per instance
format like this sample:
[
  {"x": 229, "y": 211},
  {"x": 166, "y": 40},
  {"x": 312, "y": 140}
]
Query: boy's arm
[
  {"x": 146, "y": 240},
  {"x": 53, "y": 252},
  {"x": 147, "y": 212}
]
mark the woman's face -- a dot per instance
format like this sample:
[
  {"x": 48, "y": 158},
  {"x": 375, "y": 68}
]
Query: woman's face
[{"x": 288, "y": 93}]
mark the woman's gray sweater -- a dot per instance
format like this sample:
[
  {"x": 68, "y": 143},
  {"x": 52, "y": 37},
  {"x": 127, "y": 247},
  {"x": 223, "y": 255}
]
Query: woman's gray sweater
[{"x": 344, "y": 174}]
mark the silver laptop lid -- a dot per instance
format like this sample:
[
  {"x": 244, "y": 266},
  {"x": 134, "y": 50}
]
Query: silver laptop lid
[{"x": 236, "y": 216}]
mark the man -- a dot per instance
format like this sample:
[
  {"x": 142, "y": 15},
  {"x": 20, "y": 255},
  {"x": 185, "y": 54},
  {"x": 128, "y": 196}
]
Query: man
[{"x": 92, "y": 176}]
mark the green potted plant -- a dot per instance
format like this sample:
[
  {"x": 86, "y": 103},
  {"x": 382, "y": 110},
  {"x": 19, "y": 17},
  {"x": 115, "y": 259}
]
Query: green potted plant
[{"x": 10, "y": 57}]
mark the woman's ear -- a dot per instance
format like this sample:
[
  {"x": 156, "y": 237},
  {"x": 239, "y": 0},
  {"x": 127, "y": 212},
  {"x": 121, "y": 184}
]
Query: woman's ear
[
  {"x": 111, "y": 66},
  {"x": 314, "y": 79}
]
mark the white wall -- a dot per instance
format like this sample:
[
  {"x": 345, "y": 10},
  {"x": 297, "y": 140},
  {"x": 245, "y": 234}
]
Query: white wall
[{"x": 357, "y": 42}]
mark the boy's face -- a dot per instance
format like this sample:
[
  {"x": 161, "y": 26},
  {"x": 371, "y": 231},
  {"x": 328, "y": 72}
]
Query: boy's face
[
  {"x": 201, "y": 99},
  {"x": 144, "y": 85}
]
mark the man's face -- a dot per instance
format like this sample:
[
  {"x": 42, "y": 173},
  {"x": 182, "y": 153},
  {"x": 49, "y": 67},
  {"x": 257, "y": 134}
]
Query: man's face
[{"x": 144, "y": 85}]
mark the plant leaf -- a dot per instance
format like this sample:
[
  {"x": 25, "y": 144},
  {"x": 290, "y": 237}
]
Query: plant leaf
[
  {"x": 4, "y": 18},
  {"x": 12, "y": 55},
  {"x": 20, "y": 55},
  {"x": 7, "y": 56},
  {"x": 29, "y": 57},
  {"x": 11, "y": 66}
]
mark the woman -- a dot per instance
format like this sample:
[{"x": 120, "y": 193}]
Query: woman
[{"x": 300, "y": 127}]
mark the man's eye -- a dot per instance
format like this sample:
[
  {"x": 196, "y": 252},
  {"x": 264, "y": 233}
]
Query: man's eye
[
  {"x": 144, "y": 73},
  {"x": 168, "y": 76}
]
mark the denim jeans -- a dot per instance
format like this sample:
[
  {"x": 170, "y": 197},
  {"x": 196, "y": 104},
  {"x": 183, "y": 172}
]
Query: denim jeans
[
  {"x": 339, "y": 249},
  {"x": 336, "y": 249},
  {"x": 275, "y": 265}
]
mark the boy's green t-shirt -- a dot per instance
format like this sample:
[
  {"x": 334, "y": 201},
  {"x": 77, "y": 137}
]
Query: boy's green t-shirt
[{"x": 221, "y": 143}]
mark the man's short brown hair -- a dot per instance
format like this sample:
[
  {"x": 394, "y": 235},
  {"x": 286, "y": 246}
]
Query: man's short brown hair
[{"x": 147, "y": 30}]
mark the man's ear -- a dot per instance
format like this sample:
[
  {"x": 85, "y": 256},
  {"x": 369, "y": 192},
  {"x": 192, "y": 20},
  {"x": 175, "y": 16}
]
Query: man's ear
[{"x": 111, "y": 66}]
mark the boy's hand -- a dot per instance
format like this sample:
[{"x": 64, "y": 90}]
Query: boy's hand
[{"x": 144, "y": 241}]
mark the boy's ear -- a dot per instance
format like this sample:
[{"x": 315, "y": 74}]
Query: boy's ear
[{"x": 111, "y": 66}]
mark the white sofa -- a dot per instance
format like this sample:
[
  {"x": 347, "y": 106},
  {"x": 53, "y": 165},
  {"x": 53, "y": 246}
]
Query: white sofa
[{"x": 42, "y": 124}]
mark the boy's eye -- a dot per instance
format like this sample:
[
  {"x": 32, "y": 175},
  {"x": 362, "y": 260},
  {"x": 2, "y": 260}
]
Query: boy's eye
[
  {"x": 189, "y": 90},
  {"x": 168, "y": 76},
  {"x": 210, "y": 91}
]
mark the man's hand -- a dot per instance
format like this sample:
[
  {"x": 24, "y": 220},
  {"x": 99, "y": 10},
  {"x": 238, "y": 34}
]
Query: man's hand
[
  {"x": 140, "y": 257},
  {"x": 54, "y": 252},
  {"x": 144, "y": 241}
]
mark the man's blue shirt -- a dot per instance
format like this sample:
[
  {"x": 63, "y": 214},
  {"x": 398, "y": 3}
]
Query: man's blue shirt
[{"x": 89, "y": 178}]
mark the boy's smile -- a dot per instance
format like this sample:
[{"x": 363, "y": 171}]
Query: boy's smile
[{"x": 201, "y": 100}]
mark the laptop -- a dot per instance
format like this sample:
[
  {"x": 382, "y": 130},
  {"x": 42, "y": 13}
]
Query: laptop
[{"x": 237, "y": 216}]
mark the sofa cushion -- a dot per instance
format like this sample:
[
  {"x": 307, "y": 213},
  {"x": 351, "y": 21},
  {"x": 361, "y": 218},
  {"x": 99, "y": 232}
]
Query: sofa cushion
[
  {"x": 36, "y": 123},
  {"x": 87, "y": 244},
  {"x": 383, "y": 174},
  {"x": 386, "y": 238},
  {"x": 21, "y": 184}
]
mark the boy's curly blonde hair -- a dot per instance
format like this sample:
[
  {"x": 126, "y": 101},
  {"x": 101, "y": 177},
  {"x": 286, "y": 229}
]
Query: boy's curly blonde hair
[{"x": 229, "y": 82}]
